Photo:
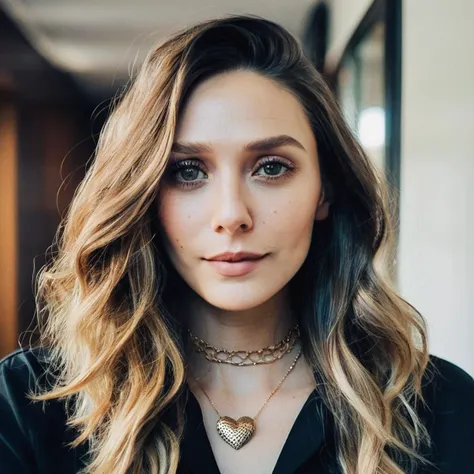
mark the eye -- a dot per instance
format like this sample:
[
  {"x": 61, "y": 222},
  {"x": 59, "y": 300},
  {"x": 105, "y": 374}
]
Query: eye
[
  {"x": 273, "y": 168},
  {"x": 187, "y": 172}
]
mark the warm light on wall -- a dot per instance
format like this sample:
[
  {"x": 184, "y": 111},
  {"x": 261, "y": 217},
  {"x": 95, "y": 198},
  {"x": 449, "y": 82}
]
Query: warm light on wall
[{"x": 8, "y": 227}]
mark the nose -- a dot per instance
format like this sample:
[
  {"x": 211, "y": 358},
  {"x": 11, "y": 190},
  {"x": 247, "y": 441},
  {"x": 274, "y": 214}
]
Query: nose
[{"x": 231, "y": 211}]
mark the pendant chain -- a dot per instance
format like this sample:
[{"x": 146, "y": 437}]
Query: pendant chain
[{"x": 292, "y": 366}]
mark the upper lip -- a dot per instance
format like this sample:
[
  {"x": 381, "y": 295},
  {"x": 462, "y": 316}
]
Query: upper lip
[{"x": 236, "y": 256}]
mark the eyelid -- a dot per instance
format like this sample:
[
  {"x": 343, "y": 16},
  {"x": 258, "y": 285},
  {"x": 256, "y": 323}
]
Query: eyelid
[
  {"x": 186, "y": 163},
  {"x": 274, "y": 159}
]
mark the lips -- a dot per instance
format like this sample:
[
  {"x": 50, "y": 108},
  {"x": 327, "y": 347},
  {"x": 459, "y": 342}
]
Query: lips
[
  {"x": 236, "y": 264},
  {"x": 235, "y": 257}
]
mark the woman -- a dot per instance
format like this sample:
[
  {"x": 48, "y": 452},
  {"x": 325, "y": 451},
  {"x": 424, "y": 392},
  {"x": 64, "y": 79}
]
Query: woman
[{"x": 220, "y": 299}]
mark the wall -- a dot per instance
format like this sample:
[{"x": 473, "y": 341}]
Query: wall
[
  {"x": 53, "y": 147},
  {"x": 45, "y": 141},
  {"x": 436, "y": 259},
  {"x": 8, "y": 227},
  {"x": 436, "y": 248},
  {"x": 345, "y": 15}
]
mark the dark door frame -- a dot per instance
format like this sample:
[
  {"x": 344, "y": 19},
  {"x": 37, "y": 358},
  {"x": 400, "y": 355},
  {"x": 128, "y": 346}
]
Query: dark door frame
[{"x": 390, "y": 13}]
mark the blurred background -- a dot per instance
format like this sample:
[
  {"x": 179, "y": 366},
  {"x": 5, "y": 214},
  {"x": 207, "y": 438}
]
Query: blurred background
[{"x": 401, "y": 70}]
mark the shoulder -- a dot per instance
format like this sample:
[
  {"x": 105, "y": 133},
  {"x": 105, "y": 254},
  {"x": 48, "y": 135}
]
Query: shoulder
[
  {"x": 448, "y": 415},
  {"x": 23, "y": 373},
  {"x": 445, "y": 384},
  {"x": 22, "y": 420},
  {"x": 33, "y": 434},
  {"x": 25, "y": 359},
  {"x": 26, "y": 369}
]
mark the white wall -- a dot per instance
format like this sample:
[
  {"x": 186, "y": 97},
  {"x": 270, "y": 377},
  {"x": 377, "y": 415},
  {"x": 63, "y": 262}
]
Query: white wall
[
  {"x": 345, "y": 15},
  {"x": 437, "y": 241},
  {"x": 436, "y": 252}
]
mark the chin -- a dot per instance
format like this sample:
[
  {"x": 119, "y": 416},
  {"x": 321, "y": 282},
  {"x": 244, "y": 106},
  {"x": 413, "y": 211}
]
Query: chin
[
  {"x": 228, "y": 300},
  {"x": 234, "y": 306}
]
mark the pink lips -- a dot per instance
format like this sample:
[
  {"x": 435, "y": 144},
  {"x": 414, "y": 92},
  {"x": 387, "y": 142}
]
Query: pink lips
[{"x": 235, "y": 264}]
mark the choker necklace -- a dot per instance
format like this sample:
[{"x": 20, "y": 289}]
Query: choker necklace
[
  {"x": 267, "y": 355},
  {"x": 237, "y": 433}
]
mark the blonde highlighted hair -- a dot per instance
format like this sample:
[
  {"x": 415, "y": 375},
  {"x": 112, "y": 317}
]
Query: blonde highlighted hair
[{"x": 105, "y": 302}]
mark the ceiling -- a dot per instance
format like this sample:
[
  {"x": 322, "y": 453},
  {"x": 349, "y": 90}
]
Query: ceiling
[{"x": 101, "y": 41}]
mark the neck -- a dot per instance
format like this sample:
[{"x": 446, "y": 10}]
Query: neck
[
  {"x": 249, "y": 330},
  {"x": 246, "y": 330}
]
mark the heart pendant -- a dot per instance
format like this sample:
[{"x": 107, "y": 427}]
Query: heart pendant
[{"x": 236, "y": 433}]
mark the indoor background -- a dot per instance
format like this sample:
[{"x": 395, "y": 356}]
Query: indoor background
[{"x": 403, "y": 72}]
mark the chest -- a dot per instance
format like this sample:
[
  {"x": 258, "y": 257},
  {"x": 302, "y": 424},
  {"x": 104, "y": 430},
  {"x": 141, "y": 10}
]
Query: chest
[{"x": 260, "y": 454}]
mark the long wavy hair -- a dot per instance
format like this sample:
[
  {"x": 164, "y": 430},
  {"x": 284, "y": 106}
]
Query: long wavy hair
[{"x": 105, "y": 300}]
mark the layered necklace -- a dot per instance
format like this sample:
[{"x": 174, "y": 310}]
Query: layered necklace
[{"x": 237, "y": 433}]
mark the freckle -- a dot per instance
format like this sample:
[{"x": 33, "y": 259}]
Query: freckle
[
  {"x": 189, "y": 217},
  {"x": 275, "y": 212}
]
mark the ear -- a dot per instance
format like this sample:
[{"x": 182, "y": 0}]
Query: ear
[{"x": 322, "y": 211}]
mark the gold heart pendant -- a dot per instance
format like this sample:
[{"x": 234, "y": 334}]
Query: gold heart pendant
[{"x": 236, "y": 433}]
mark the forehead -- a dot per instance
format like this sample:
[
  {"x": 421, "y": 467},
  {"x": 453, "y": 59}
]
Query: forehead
[{"x": 242, "y": 106}]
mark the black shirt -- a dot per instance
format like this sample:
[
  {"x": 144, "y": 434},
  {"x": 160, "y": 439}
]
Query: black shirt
[{"x": 32, "y": 439}]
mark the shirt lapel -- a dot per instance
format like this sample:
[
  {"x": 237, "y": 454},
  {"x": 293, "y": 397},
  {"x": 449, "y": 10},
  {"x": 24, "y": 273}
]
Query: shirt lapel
[
  {"x": 196, "y": 451},
  {"x": 306, "y": 437}
]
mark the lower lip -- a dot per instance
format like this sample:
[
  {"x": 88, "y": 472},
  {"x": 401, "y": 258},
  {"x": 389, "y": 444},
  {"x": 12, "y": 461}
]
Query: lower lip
[{"x": 235, "y": 269}]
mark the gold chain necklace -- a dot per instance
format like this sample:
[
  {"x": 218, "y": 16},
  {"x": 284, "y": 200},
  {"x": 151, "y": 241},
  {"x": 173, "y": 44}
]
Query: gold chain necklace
[
  {"x": 267, "y": 355},
  {"x": 237, "y": 433}
]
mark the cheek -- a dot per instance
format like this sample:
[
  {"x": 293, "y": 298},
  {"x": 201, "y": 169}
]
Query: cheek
[
  {"x": 292, "y": 219},
  {"x": 292, "y": 231},
  {"x": 177, "y": 221}
]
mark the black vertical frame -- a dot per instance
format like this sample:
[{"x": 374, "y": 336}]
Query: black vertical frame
[
  {"x": 390, "y": 13},
  {"x": 393, "y": 87}
]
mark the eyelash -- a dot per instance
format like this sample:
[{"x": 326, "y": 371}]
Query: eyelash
[{"x": 178, "y": 166}]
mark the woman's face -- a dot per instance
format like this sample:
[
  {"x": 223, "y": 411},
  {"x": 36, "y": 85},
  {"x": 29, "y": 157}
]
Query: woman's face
[{"x": 244, "y": 178}]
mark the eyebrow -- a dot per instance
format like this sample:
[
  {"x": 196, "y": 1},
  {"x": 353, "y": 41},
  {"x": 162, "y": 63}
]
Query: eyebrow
[{"x": 264, "y": 144}]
